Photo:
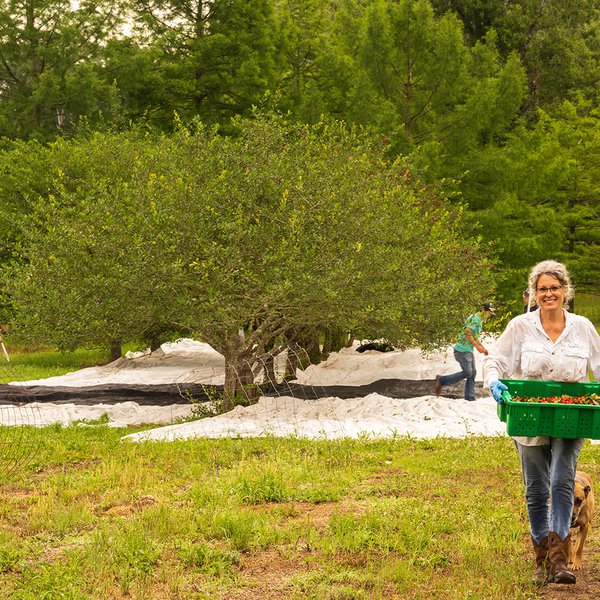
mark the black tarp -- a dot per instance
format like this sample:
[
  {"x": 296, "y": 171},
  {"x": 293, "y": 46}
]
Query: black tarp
[{"x": 163, "y": 395}]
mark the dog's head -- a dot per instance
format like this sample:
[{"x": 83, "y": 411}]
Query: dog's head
[{"x": 581, "y": 493}]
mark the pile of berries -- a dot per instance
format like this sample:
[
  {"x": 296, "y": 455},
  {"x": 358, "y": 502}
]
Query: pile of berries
[{"x": 589, "y": 400}]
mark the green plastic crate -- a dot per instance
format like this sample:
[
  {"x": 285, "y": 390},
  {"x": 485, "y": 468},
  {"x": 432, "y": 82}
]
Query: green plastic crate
[{"x": 555, "y": 420}]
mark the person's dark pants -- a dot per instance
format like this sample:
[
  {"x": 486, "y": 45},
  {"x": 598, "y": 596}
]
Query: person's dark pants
[
  {"x": 466, "y": 360},
  {"x": 549, "y": 472}
]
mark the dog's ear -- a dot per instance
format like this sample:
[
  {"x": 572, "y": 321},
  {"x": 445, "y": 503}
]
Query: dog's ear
[{"x": 587, "y": 489}]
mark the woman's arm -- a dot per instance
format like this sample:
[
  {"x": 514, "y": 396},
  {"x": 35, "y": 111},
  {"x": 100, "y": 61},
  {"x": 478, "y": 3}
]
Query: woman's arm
[{"x": 504, "y": 356}]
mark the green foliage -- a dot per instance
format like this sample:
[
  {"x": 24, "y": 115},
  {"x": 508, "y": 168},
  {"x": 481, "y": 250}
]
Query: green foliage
[
  {"x": 129, "y": 552},
  {"x": 413, "y": 78},
  {"x": 49, "y": 50},
  {"x": 588, "y": 305},
  {"x": 215, "y": 59},
  {"x": 442, "y": 80},
  {"x": 76, "y": 173},
  {"x": 10, "y": 553},
  {"x": 557, "y": 41},
  {"x": 263, "y": 487},
  {"x": 305, "y": 85},
  {"x": 132, "y": 68},
  {"x": 243, "y": 530},
  {"x": 543, "y": 196},
  {"x": 211, "y": 561},
  {"x": 50, "y": 580}
]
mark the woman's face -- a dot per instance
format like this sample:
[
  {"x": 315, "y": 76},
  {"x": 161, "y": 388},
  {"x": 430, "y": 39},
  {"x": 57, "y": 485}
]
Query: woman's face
[{"x": 549, "y": 293}]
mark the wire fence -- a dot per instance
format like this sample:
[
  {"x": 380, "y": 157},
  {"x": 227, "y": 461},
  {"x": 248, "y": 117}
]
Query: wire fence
[{"x": 20, "y": 421}]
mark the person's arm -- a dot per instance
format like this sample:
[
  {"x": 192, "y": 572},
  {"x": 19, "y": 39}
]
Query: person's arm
[
  {"x": 504, "y": 356},
  {"x": 503, "y": 360},
  {"x": 480, "y": 347}
]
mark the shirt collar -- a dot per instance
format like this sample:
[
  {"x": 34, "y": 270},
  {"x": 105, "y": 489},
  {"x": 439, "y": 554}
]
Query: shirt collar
[{"x": 537, "y": 319}]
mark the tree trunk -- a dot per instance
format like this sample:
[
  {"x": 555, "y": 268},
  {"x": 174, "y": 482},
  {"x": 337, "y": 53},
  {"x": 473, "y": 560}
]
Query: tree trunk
[
  {"x": 115, "y": 350},
  {"x": 293, "y": 359},
  {"x": 239, "y": 385},
  {"x": 266, "y": 364},
  {"x": 335, "y": 340},
  {"x": 311, "y": 349},
  {"x": 154, "y": 341}
]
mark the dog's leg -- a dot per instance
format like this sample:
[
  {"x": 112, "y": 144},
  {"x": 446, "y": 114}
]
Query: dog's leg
[
  {"x": 583, "y": 531},
  {"x": 574, "y": 541}
]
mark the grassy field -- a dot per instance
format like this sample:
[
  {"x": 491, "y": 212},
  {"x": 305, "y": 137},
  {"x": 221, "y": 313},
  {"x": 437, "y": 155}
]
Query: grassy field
[
  {"x": 93, "y": 517},
  {"x": 26, "y": 366},
  {"x": 588, "y": 305}
]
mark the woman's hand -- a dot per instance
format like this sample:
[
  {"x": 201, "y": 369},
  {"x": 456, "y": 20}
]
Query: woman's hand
[{"x": 497, "y": 387}]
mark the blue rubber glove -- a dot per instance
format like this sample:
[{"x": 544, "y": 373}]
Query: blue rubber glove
[{"x": 497, "y": 387}]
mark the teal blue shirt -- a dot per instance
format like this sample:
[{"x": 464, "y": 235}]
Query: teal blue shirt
[{"x": 475, "y": 324}]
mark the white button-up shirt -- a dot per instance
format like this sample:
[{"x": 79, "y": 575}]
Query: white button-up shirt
[{"x": 524, "y": 351}]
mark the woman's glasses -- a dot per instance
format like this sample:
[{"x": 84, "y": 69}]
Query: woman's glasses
[{"x": 553, "y": 289}]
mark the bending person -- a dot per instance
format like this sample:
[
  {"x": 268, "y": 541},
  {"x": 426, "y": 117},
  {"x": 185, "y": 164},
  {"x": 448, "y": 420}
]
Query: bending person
[{"x": 548, "y": 344}]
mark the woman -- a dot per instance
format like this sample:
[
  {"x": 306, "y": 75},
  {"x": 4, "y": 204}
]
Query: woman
[{"x": 547, "y": 344}]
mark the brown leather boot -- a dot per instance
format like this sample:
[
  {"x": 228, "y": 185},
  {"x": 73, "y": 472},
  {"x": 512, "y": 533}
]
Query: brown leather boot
[
  {"x": 542, "y": 564},
  {"x": 558, "y": 553}
]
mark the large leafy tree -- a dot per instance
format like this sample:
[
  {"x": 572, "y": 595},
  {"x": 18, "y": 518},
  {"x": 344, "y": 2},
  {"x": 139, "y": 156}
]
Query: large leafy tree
[
  {"x": 533, "y": 189},
  {"x": 136, "y": 71},
  {"x": 48, "y": 77},
  {"x": 246, "y": 242},
  {"x": 67, "y": 177},
  {"x": 558, "y": 44},
  {"x": 477, "y": 15}
]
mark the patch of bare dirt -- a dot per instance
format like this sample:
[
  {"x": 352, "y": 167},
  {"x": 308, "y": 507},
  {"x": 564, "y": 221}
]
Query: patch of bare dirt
[
  {"x": 266, "y": 574},
  {"x": 317, "y": 515},
  {"x": 124, "y": 510}
]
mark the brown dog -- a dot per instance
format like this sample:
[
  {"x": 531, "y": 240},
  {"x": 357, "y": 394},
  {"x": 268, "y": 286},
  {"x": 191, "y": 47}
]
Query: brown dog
[{"x": 583, "y": 511}]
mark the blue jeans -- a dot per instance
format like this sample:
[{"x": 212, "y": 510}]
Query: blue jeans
[
  {"x": 466, "y": 360},
  {"x": 549, "y": 473}
]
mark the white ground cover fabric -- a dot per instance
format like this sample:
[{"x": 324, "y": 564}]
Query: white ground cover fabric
[
  {"x": 191, "y": 361},
  {"x": 332, "y": 418},
  {"x": 182, "y": 361},
  {"x": 118, "y": 415}
]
